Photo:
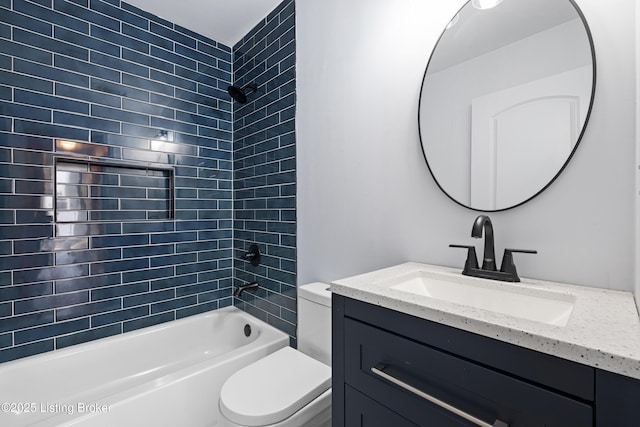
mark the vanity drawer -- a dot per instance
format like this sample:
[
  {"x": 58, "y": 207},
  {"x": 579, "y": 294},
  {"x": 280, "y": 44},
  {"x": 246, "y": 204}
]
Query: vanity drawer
[
  {"x": 474, "y": 389},
  {"x": 564, "y": 376}
]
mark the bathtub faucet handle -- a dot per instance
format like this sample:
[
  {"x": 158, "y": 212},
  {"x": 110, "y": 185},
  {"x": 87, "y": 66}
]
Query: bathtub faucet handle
[
  {"x": 253, "y": 255},
  {"x": 246, "y": 286}
]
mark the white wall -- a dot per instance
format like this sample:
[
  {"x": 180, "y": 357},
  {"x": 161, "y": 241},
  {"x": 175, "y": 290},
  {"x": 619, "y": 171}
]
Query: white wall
[
  {"x": 637, "y": 194},
  {"x": 366, "y": 199}
]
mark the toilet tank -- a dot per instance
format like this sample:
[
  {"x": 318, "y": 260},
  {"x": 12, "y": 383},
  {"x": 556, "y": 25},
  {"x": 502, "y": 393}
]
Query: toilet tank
[{"x": 314, "y": 321}]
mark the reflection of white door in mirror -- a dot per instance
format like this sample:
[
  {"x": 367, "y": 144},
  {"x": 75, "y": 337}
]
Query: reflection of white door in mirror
[{"x": 513, "y": 154}]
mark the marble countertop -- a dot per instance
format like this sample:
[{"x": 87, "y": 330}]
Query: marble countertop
[{"x": 603, "y": 330}]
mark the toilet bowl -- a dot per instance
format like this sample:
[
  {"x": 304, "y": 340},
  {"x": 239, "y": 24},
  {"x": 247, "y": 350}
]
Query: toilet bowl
[
  {"x": 288, "y": 388},
  {"x": 284, "y": 389}
]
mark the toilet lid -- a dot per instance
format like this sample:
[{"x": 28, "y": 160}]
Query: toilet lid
[{"x": 273, "y": 388}]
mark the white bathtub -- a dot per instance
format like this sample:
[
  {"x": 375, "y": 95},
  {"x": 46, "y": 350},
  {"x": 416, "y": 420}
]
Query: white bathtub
[{"x": 166, "y": 375}]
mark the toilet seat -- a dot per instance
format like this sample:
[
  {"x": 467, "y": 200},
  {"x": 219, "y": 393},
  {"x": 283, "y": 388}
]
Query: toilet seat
[{"x": 273, "y": 388}]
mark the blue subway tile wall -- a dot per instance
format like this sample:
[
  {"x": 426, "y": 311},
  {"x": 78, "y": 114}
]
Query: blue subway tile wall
[
  {"x": 264, "y": 166},
  {"x": 107, "y": 81}
]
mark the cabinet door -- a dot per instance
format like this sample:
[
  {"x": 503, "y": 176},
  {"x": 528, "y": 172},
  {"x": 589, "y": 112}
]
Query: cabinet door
[
  {"x": 617, "y": 399},
  {"x": 472, "y": 389},
  {"x": 364, "y": 412}
]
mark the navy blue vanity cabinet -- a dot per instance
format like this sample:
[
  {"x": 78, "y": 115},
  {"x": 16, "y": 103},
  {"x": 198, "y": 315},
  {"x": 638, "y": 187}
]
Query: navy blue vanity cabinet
[
  {"x": 364, "y": 411},
  {"x": 617, "y": 400},
  {"x": 386, "y": 362}
]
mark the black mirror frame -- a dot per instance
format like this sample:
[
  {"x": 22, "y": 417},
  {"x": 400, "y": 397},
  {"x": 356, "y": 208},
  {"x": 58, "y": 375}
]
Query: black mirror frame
[{"x": 582, "y": 131}]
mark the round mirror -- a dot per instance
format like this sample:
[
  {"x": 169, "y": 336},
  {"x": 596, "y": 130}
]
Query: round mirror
[{"x": 505, "y": 99}]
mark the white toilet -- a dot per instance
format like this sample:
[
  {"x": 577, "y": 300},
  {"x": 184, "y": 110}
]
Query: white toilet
[{"x": 288, "y": 388}]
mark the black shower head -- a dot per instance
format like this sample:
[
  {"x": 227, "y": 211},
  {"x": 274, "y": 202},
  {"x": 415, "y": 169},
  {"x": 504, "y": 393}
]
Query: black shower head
[{"x": 239, "y": 94}]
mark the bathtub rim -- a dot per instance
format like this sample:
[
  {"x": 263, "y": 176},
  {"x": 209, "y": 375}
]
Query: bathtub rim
[{"x": 101, "y": 342}]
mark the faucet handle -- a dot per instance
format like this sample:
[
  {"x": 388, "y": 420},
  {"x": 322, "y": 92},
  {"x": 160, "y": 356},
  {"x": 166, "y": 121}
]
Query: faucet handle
[
  {"x": 508, "y": 266},
  {"x": 472, "y": 259},
  {"x": 253, "y": 255}
]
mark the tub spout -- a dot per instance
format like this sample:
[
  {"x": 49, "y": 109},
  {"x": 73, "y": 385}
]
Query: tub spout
[{"x": 242, "y": 288}]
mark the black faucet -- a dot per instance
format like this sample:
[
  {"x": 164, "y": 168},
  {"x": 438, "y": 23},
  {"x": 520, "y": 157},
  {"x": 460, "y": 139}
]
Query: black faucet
[
  {"x": 507, "y": 273},
  {"x": 242, "y": 288},
  {"x": 483, "y": 222}
]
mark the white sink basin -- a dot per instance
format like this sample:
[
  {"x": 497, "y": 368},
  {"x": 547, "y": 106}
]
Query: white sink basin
[{"x": 539, "y": 305}]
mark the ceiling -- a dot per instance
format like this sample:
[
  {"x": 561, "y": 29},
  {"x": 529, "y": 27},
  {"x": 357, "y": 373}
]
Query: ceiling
[{"x": 225, "y": 21}]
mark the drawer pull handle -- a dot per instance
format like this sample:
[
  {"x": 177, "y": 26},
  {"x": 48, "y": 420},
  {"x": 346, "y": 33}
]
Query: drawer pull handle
[{"x": 379, "y": 371}]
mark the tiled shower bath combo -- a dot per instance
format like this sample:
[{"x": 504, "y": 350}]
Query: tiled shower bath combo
[{"x": 129, "y": 186}]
